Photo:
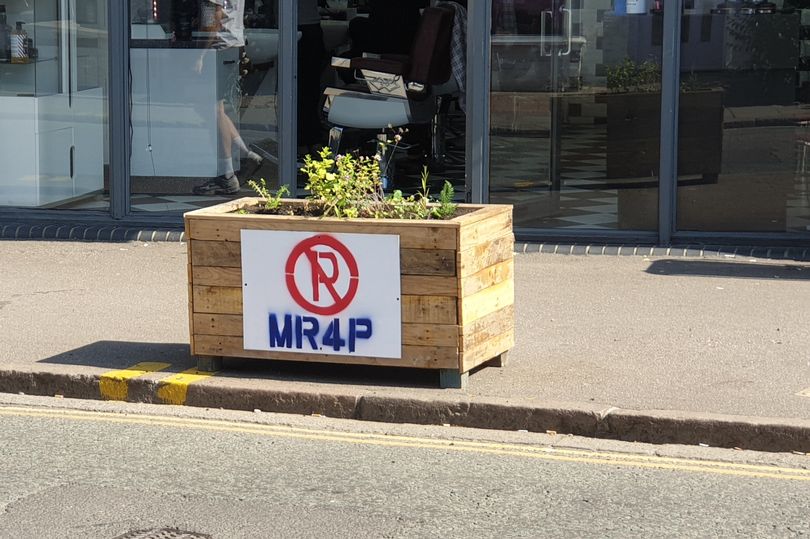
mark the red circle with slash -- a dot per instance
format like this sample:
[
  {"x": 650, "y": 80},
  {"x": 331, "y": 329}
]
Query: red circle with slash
[{"x": 319, "y": 275}]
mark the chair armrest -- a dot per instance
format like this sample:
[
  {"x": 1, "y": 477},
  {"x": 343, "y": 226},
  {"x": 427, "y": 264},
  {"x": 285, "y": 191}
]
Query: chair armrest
[
  {"x": 397, "y": 57},
  {"x": 340, "y": 62},
  {"x": 392, "y": 67}
]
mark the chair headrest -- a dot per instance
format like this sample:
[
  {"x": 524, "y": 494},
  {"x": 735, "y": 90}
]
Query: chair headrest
[{"x": 430, "y": 53}]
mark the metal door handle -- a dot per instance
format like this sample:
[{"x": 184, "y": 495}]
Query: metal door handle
[
  {"x": 570, "y": 31},
  {"x": 543, "y": 47}
]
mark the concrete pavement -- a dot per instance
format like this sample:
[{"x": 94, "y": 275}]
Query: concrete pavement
[{"x": 662, "y": 349}]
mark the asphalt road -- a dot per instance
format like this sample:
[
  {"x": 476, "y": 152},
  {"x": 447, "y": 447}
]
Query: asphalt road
[{"x": 100, "y": 470}]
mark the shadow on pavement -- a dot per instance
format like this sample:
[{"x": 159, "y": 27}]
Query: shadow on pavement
[
  {"x": 739, "y": 270},
  {"x": 115, "y": 355}
]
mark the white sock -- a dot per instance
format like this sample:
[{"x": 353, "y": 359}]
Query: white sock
[
  {"x": 241, "y": 143},
  {"x": 242, "y": 146},
  {"x": 227, "y": 164}
]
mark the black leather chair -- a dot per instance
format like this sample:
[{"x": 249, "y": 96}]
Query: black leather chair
[{"x": 399, "y": 89}]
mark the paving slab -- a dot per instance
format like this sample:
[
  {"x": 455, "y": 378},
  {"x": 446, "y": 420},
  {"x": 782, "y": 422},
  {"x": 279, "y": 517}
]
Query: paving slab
[{"x": 598, "y": 336}]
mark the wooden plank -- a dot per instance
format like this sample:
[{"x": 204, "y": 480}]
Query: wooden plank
[
  {"x": 487, "y": 277},
  {"x": 412, "y": 234},
  {"x": 487, "y": 350},
  {"x": 471, "y": 217},
  {"x": 486, "y": 254},
  {"x": 423, "y": 357},
  {"x": 429, "y": 310},
  {"x": 219, "y": 209},
  {"x": 427, "y": 262},
  {"x": 429, "y": 285},
  {"x": 496, "y": 225},
  {"x": 190, "y": 296},
  {"x": 191, "y": 315},
  {"x": 415, "y": 334},
  {"x": 487, "y": 301},
  {"x": 216, "y": 253},
  {"x": 217, "y": 299},
  {"x": 488, "y": 327},
  {"x": 218, "y": 324},
  {"x": 412, "y": 261},
  {"x": 431, "y": 335},
  {"x": 217, "y": 276},
  {"x": 415, "y": 309}
]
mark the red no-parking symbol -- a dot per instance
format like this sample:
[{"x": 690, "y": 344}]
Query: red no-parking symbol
[{"x": 320, "y": 277}]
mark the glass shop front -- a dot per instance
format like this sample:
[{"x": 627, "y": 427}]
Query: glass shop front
[{"x": 598, "y": 121}]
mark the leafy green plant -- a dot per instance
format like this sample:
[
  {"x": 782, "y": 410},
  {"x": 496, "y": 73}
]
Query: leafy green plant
[
  {"x": 349, "y": 186},
  {"x": 346, "y": 185},
  {"x": 271, "y": 202},
  {"x": 446, "y": 208},
  {"x": 631, "y": 76}
]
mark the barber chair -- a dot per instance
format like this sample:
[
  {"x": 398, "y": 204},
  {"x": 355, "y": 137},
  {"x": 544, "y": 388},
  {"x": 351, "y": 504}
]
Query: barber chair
[{"x": 399, "y": 90}]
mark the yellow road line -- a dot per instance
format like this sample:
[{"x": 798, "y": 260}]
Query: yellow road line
[
  {"x": 113, "y": 385},
  {"x": 512, "y": 450},
  {"x": 804, "y": 393},
  {"x": 174, "y": 389}
]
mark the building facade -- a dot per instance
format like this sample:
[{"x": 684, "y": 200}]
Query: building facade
[{"x": 600, "y": 121}]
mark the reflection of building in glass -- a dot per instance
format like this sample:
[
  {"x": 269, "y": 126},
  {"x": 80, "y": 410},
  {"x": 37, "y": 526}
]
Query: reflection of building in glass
[{"x": 577, "y": 105}]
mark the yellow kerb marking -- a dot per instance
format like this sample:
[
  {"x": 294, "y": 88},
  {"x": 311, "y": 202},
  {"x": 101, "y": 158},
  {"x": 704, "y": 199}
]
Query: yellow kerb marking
[
  {"x": 173, "y": 390},
  {"x": 113, "y": 385}
]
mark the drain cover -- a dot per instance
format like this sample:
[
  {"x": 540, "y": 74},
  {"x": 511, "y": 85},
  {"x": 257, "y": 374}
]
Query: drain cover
[{"x": 163, "y": 533}]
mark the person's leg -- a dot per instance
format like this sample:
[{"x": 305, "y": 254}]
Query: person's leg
[
  {"x": 226, "y": 139},
  {"x": 227, "y": 183},
  {"x": 311, "y": 55}
]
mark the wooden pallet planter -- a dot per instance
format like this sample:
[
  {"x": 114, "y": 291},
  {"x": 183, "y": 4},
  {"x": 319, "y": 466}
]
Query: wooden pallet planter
[{"x": 456, "y": 286}]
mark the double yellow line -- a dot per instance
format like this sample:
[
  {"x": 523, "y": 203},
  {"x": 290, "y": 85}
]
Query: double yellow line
[
  {"x": 508, "y": 450},
  {"x": 114, "y": 385}
]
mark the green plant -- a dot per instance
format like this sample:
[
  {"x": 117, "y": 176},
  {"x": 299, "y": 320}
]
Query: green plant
[
  {"x": 349, "y": 186},
  {"x": 271, "y": 201},
  {"x": 345, "y": 185},
  {"x": 631, "y": 76},
  {"x": 446, "y": 208}
]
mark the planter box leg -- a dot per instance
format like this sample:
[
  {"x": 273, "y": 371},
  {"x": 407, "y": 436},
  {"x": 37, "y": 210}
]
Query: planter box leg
[
  {"x": 500, "y": 361},
  {"x": 452, "y": 379},
  {"x": 209, "y": 363}
]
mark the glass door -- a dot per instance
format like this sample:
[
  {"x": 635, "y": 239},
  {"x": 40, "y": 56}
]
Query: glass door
[
  {"x": 744, "y": 118},
  {"x": 204, "y": 101},
  {"x": 53, "y": 103},
  {"x": 575, "y": 113}
]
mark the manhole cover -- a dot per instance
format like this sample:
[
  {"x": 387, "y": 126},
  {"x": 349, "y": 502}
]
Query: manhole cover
[{"x": 163, "y": 533}]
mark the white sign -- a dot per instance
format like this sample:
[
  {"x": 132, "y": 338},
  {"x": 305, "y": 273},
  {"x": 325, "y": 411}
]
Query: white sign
[
  {"x": 317, "y": 293},
  {"x": 635, "y": 7}
]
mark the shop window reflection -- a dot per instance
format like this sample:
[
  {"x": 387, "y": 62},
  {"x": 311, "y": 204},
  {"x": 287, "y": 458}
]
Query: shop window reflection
[
  {"x": 204, "y": 84},
  {"x": 53, "y": 98},
  {"x": 749, "y": 60},
  {"x": 397, "y": 87},
  {"x": 575, "y": 113}
]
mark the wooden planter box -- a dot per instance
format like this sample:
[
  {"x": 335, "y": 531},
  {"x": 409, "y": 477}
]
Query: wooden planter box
[
  {"x": 634, "y": 134},
  {"x": 456, "y": 278}
]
